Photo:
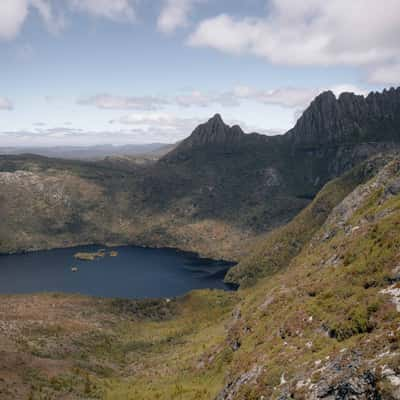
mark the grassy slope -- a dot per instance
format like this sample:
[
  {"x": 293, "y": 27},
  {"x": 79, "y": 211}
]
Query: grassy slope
[
  {"x": 87, "y": 348},
  {"x": 313, "y": 325},
  {"x": 328, "y": 303},
  {"x": 274, "y": 252}
]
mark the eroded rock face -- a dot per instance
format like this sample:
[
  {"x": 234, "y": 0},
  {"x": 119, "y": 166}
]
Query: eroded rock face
[
  {"x": 358, "y": 387},
  {"x": 347, "y": 377},
  {"x": 231, "y": 390},
  {"x": 386, "y": 180},
  {"x": 349, "y": 117},
  {"x": 213, "y": 133},
  {"x": 272, "y": 177}
]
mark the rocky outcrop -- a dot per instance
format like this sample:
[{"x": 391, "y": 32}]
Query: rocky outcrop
[
  {"x": 213, "y": 132},
  {"x": 349, "y": 118},
  {"x": 386, "y": 179},
  {"x": 328, "y": 120},
  {"x": 231, "y": 390}
]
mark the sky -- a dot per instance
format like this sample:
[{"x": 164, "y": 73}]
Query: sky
[{"x": 85, "y": 72}]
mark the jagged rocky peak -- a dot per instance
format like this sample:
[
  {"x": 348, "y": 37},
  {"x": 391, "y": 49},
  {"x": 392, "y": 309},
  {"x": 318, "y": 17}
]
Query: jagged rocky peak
[
  {"x": 349, "y": 117},
  {"x": 214, "y": 131}
]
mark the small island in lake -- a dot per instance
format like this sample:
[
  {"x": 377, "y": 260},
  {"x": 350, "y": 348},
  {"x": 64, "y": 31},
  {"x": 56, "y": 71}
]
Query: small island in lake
[{"x": 90, "y": 256}]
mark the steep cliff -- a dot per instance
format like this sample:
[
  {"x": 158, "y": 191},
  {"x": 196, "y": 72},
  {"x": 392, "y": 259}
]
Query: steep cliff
[{"x": 349, "y": 118}]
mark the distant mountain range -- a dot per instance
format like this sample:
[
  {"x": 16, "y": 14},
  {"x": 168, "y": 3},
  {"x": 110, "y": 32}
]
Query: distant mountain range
[{"x": 91, "y": 152}]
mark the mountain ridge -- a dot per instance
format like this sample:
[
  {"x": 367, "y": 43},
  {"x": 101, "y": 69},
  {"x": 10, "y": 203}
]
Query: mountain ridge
[
  {"x": 328, "y": 118},
  {"x": 94, "y": 152}
]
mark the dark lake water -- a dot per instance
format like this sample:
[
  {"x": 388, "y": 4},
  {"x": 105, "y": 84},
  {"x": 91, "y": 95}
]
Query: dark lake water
[{"x": 135, "y": 273}]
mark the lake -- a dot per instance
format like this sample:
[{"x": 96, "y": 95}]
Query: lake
[{"x": 134, "y": 273}]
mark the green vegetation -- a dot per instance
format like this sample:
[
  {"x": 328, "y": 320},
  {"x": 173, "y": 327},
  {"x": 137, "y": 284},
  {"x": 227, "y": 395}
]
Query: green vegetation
[
  {"x": 275, "y": 251},
  {"x": 90, "y": 256}
]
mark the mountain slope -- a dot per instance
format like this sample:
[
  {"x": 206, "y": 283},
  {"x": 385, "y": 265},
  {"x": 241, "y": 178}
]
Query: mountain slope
[
  {"x": 274, "y": 252},
  {"x": 328, "y": 327},
  {"x": 324, "y": 327}
]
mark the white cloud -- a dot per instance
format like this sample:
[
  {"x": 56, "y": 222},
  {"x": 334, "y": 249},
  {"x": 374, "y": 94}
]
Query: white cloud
[
  {"x": 59, "y": 132},
  {"x": 284, "y": 97},
  {"x": 6, "y": 104},
  {"x": 384, "y": 74},
  {"x": 43, "y": 133},
  {"x": 12, "y": 17},
  {"x": 112, "y": 9},
  {"x": 290, "y": 97},
  {"x": 199, "y": 99},
  {"x": 143, "y": 128},
  {"x": 110, "y": 102},
  {"x": 174, "y": 128},
  {"x": 13, "y": 14},
  {"x": 165, "y": 123},
  {"x": 134, "y": 128},
  {"x": 175, "y": 14},
  {"x": 313, "y": 32}
]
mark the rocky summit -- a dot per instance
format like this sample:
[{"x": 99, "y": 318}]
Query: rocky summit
[
  {"x": 215, "y": 133},
  {"x": 349, "y": 118}
]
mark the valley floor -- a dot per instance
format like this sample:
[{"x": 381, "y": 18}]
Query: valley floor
[{"x": 70, "y": 347}]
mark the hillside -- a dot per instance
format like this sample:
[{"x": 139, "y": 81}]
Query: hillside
[
  {"x": 274, "y": 252},
  {"x": 215, "y": 193},
  {"x": 325, "y": 326}
]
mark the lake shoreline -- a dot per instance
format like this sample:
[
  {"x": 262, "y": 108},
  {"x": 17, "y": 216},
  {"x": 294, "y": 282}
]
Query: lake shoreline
[
  {"x": 115, "y": 245},
  {"x": 140, "y": 272}
]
